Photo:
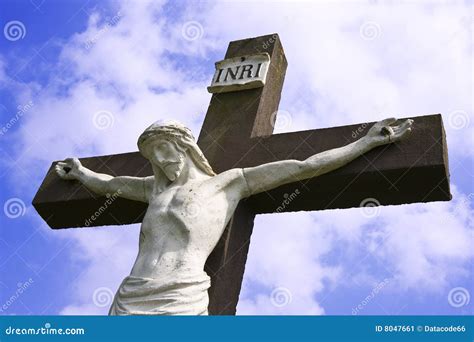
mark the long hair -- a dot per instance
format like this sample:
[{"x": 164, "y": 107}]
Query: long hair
[{"x": 180, "y": 134}]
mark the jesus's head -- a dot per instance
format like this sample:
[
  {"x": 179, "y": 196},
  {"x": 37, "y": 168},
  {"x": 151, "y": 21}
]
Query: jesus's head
[{"x": 166, "y": 145}]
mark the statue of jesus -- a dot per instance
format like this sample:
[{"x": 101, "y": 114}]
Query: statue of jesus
[{"x": 189, "y": 207}]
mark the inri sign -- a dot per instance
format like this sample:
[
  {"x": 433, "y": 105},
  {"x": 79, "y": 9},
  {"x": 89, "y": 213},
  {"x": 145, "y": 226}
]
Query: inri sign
[{"x": 239, "y": 73}]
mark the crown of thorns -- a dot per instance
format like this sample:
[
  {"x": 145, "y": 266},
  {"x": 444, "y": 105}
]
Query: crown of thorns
[
  {"x": 170, "y": 129},
  {"x": 180, "y": 134}
]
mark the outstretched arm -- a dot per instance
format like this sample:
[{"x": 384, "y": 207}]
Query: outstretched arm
[
  {"x": 268, "y": 176},
  {"x": 134, "y": 188}
]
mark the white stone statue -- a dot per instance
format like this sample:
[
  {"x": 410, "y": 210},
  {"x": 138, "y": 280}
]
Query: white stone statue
[{"x": 189, "y": 206}]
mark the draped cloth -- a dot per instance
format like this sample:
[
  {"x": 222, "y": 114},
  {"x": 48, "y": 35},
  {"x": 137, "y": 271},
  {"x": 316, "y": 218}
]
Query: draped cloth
[{"x": 169, "y": 295}]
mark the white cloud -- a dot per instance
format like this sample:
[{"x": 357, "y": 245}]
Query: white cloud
[
  {"x": 422, "y": 247},
  {"x": 417, "y": 64},
  {"x": 285, "y": 253},
  {"x": 109, "y": 255}
]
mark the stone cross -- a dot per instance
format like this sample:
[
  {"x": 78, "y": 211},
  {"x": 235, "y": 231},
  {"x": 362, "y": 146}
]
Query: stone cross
[{"x": 237, "y": 132}]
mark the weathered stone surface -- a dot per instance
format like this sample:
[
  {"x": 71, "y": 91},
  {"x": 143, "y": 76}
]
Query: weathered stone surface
[{"x": 240, "y": 73}]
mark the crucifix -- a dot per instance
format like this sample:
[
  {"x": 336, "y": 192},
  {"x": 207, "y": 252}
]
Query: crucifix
[{"x": 250, "y": 170}]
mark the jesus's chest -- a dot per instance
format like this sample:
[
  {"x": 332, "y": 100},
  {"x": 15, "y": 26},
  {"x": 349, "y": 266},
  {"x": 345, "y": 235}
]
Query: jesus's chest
[{"x": 188, "y": 207}]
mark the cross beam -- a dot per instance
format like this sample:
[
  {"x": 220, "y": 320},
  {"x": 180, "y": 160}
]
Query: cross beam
[{"x": 237, "y": 132}]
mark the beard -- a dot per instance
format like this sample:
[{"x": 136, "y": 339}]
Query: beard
[{"x": 173, "y": 169}]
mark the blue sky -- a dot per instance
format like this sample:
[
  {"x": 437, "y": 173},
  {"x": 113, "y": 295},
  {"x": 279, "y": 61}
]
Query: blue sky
[{"x": 131, "y": 63}]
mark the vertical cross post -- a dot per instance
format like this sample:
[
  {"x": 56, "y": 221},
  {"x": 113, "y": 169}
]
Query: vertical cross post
[{"x": 231, "y": 120}]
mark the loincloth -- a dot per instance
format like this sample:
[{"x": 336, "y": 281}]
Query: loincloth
[{"x": 178, "y": 295}]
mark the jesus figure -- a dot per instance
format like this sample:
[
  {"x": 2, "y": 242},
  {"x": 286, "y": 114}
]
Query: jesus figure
[{"x": 189, "y": 207}]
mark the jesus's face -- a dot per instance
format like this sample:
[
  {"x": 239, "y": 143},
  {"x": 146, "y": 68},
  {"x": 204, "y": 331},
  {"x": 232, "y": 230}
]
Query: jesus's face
[{"x": 169, "y": 157}]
